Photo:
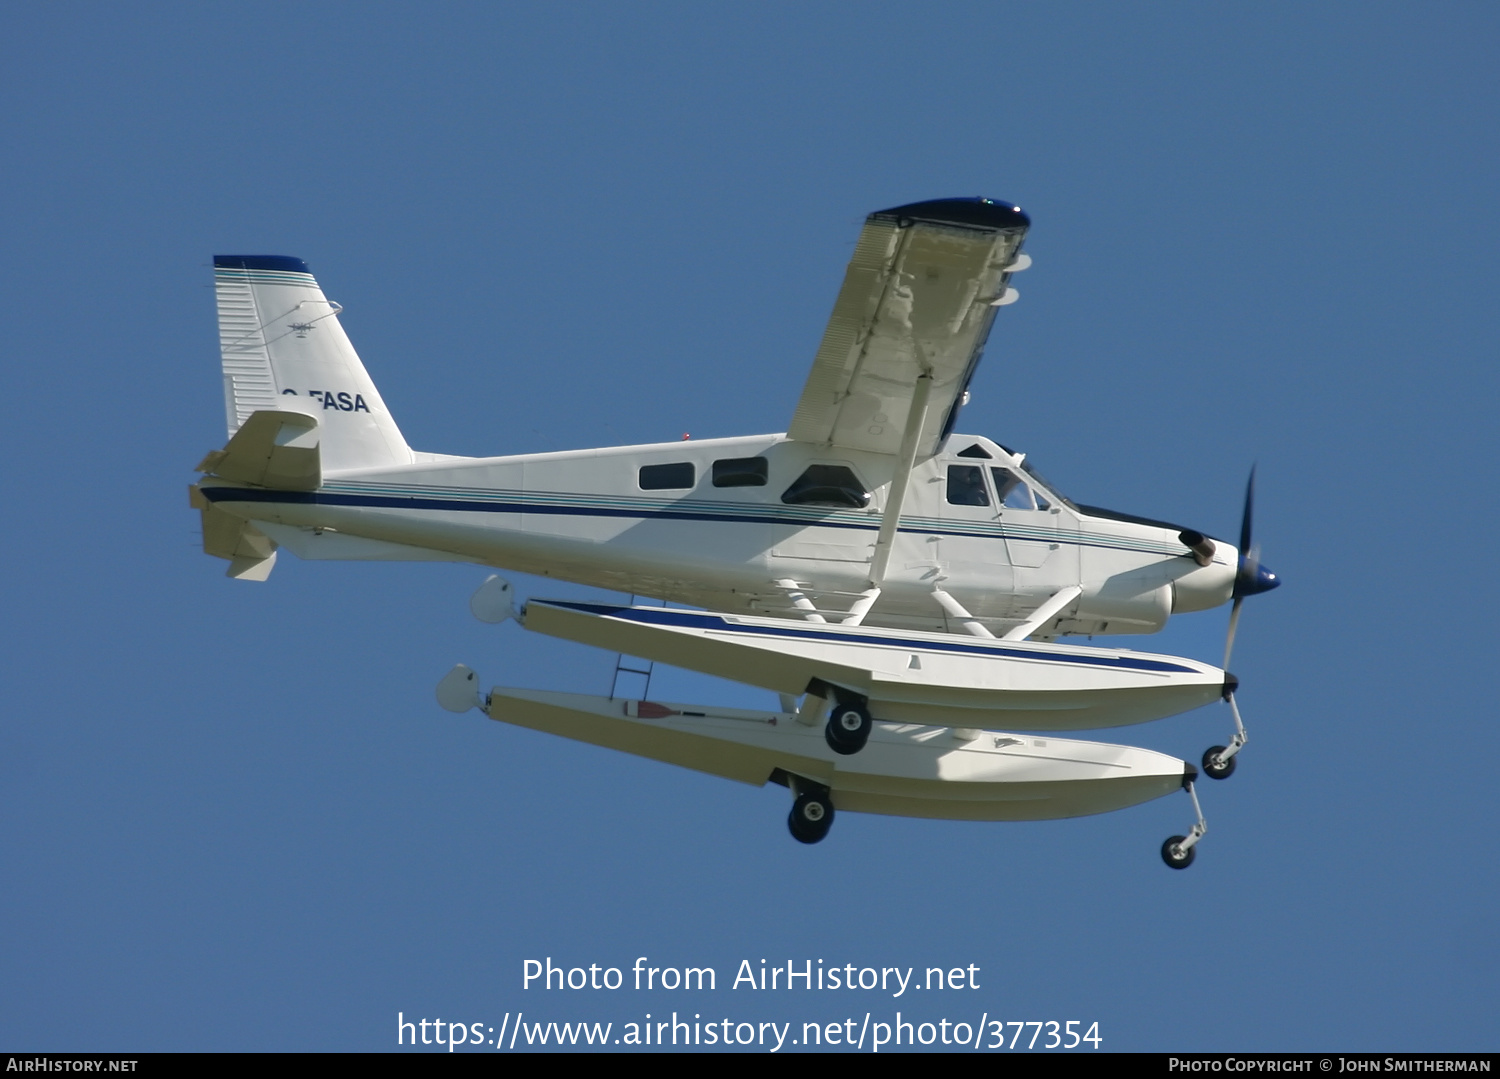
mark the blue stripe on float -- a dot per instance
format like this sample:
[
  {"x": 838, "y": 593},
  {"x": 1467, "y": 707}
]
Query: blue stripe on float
[{"x": 694, "y": 620}]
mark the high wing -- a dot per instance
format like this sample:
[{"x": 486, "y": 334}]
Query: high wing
[{"x": 919, "y": 296}]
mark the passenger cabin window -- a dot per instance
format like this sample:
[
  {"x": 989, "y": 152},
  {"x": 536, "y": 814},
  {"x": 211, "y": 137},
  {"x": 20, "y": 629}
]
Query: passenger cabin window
[
  {"x": 1015, "y": 493},
  {"x": 740, "y": 472},
  {"x": 827, "y": 485},
  {"x": 966, "y": 486},
  {"x": 671, "y": 477}
]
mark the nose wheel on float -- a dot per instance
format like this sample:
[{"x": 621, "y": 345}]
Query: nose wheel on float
[
  {"x": 1218, "y": 761},
  {"x": 1180, "y": 850}
]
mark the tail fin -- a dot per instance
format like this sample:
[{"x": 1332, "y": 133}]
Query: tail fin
[{"x": 284, "y": 350}]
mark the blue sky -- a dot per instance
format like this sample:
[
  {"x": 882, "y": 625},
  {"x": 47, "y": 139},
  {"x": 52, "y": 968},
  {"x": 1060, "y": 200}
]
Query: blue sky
[{"x": 232, "y": 817}]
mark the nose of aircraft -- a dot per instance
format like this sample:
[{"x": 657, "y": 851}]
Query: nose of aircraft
[
  {"x": 1253, "y": 579},
  {"x": 1250, "y": 578}
]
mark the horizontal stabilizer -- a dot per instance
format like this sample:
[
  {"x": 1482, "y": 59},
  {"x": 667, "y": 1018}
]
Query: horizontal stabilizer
[
  {"x": 271, "y": 449},
  {"x": 251, "y": 553}
]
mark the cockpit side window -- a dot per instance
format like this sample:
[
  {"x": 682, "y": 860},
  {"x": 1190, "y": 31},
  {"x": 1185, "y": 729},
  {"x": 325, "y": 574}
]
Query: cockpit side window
[
  {"x": 671, "y": 477},
  {"x": 740, "y": 472},
  {"x": 1015, "y": 493},
  {"x": 827, "y": 485},
  {"x": 966, "y": 486}
]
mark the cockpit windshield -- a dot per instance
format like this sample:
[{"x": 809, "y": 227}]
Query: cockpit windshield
[
  {"x": 1016, "y": 494},
  {"x": 1041, "y": 481}
]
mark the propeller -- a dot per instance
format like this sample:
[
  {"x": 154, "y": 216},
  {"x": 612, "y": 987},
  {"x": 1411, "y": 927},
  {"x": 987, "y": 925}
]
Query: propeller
[{"x": 1250, "y": 578}]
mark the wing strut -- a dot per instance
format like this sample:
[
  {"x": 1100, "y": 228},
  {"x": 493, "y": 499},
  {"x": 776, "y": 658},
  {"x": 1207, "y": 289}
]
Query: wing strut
[
  {"x": 900, "y": 481},
  {"x": 1047, "y": 610},
  {"x": 956, "y": 609},
  {"x": 799, "y": 599}
]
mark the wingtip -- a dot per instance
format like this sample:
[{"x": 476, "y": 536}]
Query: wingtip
[{"x": 973, "y": 212}]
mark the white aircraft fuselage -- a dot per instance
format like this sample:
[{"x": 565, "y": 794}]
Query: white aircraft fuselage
[
  {"x": 582, "y": 516},
  {"x": 868, "y": 510}
]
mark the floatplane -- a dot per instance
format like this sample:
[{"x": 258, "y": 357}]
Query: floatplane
[{"x": 901, "y": 587}]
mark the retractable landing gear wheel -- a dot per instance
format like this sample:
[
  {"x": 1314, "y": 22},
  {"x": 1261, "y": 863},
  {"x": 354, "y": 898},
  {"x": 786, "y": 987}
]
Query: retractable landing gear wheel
[
  {"x": 1215, "y": 766},
  {"x": 1174, "y": 855},
  {"x": 811, "y": 817},
  {"x": 848, "y": 729}
]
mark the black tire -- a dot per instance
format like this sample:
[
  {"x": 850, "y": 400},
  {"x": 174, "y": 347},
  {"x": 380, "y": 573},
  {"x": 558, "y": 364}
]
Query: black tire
[
  {"x": 1174, "y": 858},
  {"x": 1215, "y": 770},
  {"x": 811, "y": 817},
  {"x": 848, "y": 729}
]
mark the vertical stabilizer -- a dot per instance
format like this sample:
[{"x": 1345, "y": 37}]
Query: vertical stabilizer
[{"x": 284, "y": 350}]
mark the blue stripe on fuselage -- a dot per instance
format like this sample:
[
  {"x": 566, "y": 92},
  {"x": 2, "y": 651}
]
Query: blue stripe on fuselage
[
  {"x": 468, "y": 505},
  {"x": 304, "y": 498}
]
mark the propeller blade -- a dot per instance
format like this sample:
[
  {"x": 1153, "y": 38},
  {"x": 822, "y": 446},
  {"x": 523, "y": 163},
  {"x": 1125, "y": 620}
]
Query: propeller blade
[
  {"x": 1248, "y": 569},
  {"x": 1250, "y": 577},
  {"x": 1249, "y": 512},
  {"x": 1234, "y": 625}
]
